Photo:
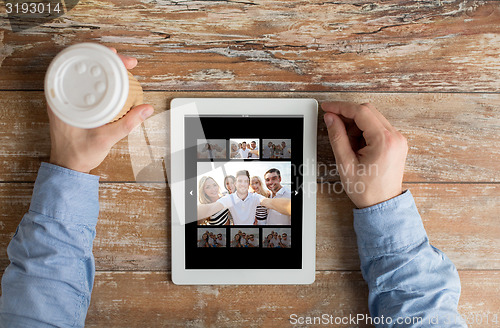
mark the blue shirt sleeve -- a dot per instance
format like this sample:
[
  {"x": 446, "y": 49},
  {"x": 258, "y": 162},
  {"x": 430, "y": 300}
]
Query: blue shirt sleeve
[
  {"x": 410, "y": 282},
  {"x": 51, "y": 273}
]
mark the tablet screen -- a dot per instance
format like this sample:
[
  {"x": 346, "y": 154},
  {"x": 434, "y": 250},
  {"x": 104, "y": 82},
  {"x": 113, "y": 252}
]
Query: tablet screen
[{"x": 232, "y": 164}]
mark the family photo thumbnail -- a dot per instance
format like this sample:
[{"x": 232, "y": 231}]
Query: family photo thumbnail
[
  {"x": 276, "y": 238},
  {"x": 211, "y": 237},
  {"x": 277, "y": 148},
  {"x": 244, "y": 237},
  {"x": 244, "y": 193},
  {"x": 244, "y": 148},
  {"x": 211, "y": 149}
]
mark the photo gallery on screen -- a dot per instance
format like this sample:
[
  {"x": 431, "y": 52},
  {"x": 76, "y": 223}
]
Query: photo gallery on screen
[{"x": 243, "y": 196}]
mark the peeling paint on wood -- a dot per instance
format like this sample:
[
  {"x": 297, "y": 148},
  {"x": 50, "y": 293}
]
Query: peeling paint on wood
[
  {"x": 452, "y": 137},
  {"x": 133, "y": 231},
  {"x": 276, "y": 46},
  {"x": 150, "y": 298}
]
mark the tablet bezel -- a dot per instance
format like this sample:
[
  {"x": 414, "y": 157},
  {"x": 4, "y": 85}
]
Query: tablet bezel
[{"x": 181, "y": 107}]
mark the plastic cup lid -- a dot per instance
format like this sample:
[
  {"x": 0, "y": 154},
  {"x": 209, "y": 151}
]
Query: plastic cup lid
[{"x": 86, "y": 85}]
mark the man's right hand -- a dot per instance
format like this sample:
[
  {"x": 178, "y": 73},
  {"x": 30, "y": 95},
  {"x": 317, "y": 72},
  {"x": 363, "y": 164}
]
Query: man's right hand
[{"x": 370, "y": 153}]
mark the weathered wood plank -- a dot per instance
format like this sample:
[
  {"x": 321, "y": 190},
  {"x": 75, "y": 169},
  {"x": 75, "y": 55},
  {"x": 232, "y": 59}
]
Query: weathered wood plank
[
  {"x": 460, "y": 219},
  {"x": 452, "y": 137},
  {"x": 155, "y": 301},
  {"x": 138, "y": 299},
  {"x": 133, "y": 232},
  {"x": 275, "y": 45}
]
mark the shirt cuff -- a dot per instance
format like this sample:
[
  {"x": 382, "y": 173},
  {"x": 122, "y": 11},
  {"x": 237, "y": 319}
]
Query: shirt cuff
[
  {"x": 66, "y": 195},
  {"x": 389, "y": 227}
]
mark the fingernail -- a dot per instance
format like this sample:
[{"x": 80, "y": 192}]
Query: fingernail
[
  {"x": 328, "y": 120},
  {"x": 147, "y": 112}
]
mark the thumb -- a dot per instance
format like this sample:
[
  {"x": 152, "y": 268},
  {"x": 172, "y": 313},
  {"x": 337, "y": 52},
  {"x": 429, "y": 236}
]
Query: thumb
[
  {"x": 121, "y": 128},
  {"x": 344, "y": 155}
]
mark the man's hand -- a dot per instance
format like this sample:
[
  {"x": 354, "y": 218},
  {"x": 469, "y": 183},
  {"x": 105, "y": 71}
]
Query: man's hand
[
  {"x": 369, "y": 152},
  {"x": 84, "y": 149},
  {"x": 281, "y": 205}
]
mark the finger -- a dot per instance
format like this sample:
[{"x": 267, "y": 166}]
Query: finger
[
  {"x": 339, "y": 140},
  {"x": 380, "y": 117},
  {"x": 129, "y": 62},
  {"x": 53, "y": 119},
  {"x": 120, "y": 129},
  {"x": 50, "y": 112},
  {"x": 362, "y": 115}
]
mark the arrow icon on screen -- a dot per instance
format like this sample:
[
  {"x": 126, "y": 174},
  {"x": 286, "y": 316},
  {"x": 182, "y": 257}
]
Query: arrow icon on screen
[
  {"x": 296, "y": 192},
  {"x": 191, "y": 193}
]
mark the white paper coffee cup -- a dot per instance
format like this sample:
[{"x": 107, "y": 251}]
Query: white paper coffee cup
[{"x": 87, "y": 85}]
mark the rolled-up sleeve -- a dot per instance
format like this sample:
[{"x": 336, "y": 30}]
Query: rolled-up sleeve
[
  {"x": 410, "y": 281},
  {"x": 51, "y": 273}
]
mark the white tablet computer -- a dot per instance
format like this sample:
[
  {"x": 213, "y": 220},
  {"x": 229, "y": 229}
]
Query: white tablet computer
[{"x": 243, "y": 190}]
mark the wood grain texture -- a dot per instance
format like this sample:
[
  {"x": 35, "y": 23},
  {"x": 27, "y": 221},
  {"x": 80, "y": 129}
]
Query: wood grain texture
[
  {"x": 138, "y": 299},
  {"x": 133, "y": 231},
  {"x": 452, "y": 137},
  {"x": 151, "y": 299},
  {"x": 275, "y": 45}
]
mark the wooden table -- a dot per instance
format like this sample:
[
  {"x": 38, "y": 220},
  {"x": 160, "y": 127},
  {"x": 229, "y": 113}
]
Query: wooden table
[{"x": 432, "y": 68}]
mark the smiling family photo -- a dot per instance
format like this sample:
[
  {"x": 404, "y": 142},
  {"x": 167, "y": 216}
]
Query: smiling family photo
[{"x": 243, "y": 193}]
